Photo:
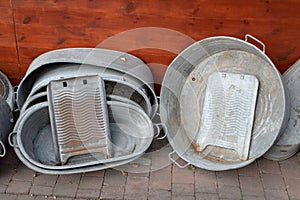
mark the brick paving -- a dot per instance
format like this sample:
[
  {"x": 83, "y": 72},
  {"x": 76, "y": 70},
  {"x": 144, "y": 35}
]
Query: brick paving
[{"x": 262, "y": 179}]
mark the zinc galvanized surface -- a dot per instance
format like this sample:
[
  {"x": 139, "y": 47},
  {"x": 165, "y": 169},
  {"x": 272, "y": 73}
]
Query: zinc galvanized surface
[
  {"x": 289, "y": 142},
  {"x": 228, "y": 115},
  {"x": 79, "y": 117},
  {"x": 119, "y": 61},
  {"x": 131, "y": 132},
  {"x": 124, "y": 85},
  {"x": 184, "y": 86},
  {"x": 6, "y": 90}
]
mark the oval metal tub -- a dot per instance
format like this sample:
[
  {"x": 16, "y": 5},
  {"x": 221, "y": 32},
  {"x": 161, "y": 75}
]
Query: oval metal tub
[
  {"x": 131, "y": 132},
  {"x": 289, "y": 143},
  {"x": 183, "y": 92},
  {"x": 65, "y": 70},
  {"x": 116, "y": 83},
  {"x": 119, "y": 61}
]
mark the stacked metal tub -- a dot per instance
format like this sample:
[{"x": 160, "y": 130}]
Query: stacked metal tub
[
  {"x": 6, "y": 108},
  {"x": 84, "y": 110}
]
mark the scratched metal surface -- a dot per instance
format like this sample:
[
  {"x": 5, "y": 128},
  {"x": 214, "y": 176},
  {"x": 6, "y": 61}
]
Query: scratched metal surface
[
  {"x": 130, "y": 66},
  {"x": 79, "y": 117},
  {"x": 228, "y": 114},
  {"x": 289, "y": 143},
  {"x": 131, "y": 134},
  {"x": 183, "y": 92}
]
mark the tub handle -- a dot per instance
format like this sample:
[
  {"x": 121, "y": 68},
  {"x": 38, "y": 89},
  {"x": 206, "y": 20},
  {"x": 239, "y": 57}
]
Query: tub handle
[
  {"x": 12, "y": 139},
  {"x": 175, "y": 162},
  {"x": 16, "y": 108},
  {"x": 3, "y": 149},
  {"x": 157, "y": 126},
  {"x": 257, "y": 40}
]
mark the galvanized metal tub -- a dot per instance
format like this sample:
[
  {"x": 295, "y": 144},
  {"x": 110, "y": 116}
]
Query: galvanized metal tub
[
  {"x": 289, "y": 142},
  {"x": 119, "y": 61},
  {"x": 182, "y": 98},
  {"x": 33, "y": 100},
  {"x": 32, "y": 137},
  {"x": 6, "y": 107},
  {"x": 116, "y": 83},
  {"x": 6, "y": 90},
  {"x": 6, "y": 120}
]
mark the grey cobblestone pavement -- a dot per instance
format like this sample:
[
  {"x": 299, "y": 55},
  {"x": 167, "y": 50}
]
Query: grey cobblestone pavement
[{"x": 262, "y": 179}]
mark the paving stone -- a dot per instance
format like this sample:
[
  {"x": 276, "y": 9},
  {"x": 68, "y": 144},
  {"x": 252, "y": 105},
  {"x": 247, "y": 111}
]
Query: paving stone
[
  {"x": 112, "y": 192},
  {"x": 41, "y": 190},
  {"x": 136, "y": 185},
  {"x": 90, "y": 183},
  {"x": 251, "y": 186},
  {"x": 43, "y": 198},
  {"x": 114, "y": 178},
  {"x": 72, "y": 179},
  {"x": 182, "y": 175},
  {"x": 180, "y": 197},
  {"x": 203, "y": 171},
  {"x": 134, "y": 196},
  {"x": 206, "y": 196},
  {"x": 276, "y": 195},
  {"x": 293, "y": 189},
  {"x": 65, "y": 189},
  {"x": 8, "y": 197},
  {"x": 18, "y": 187},
  {"x": 23, "y": 174},
  {"x": 62, "y": 198},
  {"x": 26, "y": 197},
  {"x": 229, "y": 178},
  {"x": 45, "y": 180},
  {"x": 246, "y": 197},
  {"x": 95, "y": 174},
  {"x": 3, "y": 188},
  {"x": 183, "y": 189},
  {"x": 273, "y": 181},
  {"x": 160, "y": 195},
  {"x": 290, "y": 168},
  {"x": 88, "y": 193},
  {"x": 268, "y": 166},
  {"x": 6, "y": 174},
  {"x": 229, "y": 192},
  {"x": 205, "y": 183},
  {"x": 250, "y": 170},
  {"x": 161, "y": 180}
]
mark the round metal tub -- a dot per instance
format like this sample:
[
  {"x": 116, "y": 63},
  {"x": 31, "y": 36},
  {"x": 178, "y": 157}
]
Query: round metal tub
[
  {"x": 289, "y": 143},
  {"x": 119, "y": 61},
  {"x": 183, "y": 91},
  {"x": 131, "y": 135}
]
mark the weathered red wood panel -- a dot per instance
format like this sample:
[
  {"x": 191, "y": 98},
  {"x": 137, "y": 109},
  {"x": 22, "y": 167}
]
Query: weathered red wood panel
[{"x": 8, "y": 52}]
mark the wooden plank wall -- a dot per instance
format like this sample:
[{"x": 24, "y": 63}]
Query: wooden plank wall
[{"x": 42, "y": 25}]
